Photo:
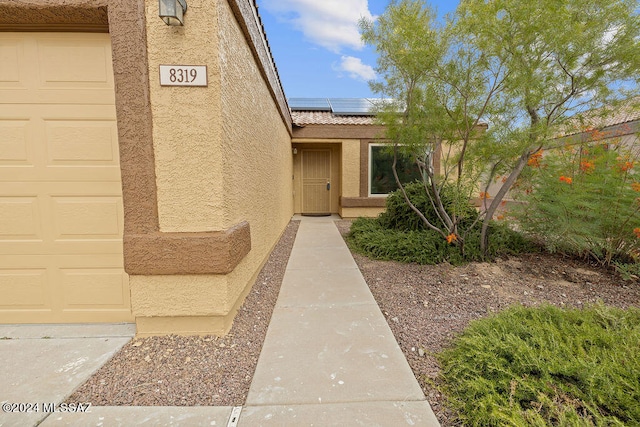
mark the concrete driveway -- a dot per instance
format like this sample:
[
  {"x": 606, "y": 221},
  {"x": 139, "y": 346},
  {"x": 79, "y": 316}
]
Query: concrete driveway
[{"x": 43, "y": 364}]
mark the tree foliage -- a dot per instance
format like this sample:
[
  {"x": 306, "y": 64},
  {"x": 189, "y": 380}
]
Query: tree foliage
[{"x": 521, "y": 67}]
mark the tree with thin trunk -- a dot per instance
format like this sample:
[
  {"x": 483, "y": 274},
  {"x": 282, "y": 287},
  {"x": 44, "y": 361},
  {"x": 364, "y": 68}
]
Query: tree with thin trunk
[{"x": 521, "y": 68}]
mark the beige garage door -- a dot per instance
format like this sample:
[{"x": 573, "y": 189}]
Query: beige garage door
[{"x": 61, "y": 216}]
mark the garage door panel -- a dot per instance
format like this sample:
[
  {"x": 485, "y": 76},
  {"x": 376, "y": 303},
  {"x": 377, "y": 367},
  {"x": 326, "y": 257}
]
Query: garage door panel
[
  {"x": 60, "y": 186},
  {"x": 83, "y": 142},
  {"x": 24, "y": 289},
  {"x": 86, "y": 112},
  {"x": 43, "y": 68},
  {"x": 75, "y": 144},
  {"x": 65, "y": 288},
  {"x": 94, "y": 288},
  {"x": 61, "y": 189},
  {"x": 77, "y": 247},
  {"x": 62, "y": 261},
  {"x": 11, "y": 64},
  {"x": 15, "y": 145},
  {"x": 91, "y": 175},
  {"x": 87, "y": 217},
  {"x": 62, "y": 174},
  {"x": 74, "y": 63},
  {"x": 20, "y": 218},
  {"x": 76, "y": 96},
  {"x": 66, "y": 224},
  {"x": 71, "y": 247},
  {"x": 81, "y": 68}
]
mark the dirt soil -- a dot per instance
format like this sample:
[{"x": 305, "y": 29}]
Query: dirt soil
[{"x": 425, "y": 306}]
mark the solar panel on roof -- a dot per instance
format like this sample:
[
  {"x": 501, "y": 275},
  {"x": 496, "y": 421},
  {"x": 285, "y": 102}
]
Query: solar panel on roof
[
  {"x": 338, "y": 106},
  {"x": 309, "y": 104},
  {"x": 351, "y": 106}
]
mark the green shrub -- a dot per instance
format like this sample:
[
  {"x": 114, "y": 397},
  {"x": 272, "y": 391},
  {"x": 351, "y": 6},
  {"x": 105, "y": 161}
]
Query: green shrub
[
  {"x": 370, "y": 238},
  {"x": 503, "y": 240},
  {"x": 399, "y": 215},
  {"x": 399, "y": 234},
  {"x": 547, "y": 366},
  {"x": 628, "y": 271}
]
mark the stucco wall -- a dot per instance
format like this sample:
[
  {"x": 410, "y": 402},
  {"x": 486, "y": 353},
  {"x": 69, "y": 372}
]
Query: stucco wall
[
  {"x": 350, "y": 213},
  {"x": 256, "y": 152},
  {"x": 223, "y": 158},
  {"x": 187, "y": 121},
  {"x": 351, "y": 168},
  {"x": 349, "y": 176}
]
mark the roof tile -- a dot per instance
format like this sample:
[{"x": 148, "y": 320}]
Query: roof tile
[{"x": 302, "y": 118}]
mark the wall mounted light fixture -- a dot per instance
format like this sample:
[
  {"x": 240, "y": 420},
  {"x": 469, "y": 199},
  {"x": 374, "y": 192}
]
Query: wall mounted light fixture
[{"x": 172, "y": 11}]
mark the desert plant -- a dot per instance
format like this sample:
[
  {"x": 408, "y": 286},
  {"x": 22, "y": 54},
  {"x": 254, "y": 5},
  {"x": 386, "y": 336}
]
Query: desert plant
[
  {"x": 524, "y": 67},
  {"x": 399, "y": 234},
  {"x": 547, "y": 366},
  {"x": 369, "y": 237},
  {"x": 584, "y": 201}
]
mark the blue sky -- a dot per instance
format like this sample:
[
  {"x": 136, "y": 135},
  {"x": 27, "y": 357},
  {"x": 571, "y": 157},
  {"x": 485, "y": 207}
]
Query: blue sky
[{"x": 317, "y": 46}]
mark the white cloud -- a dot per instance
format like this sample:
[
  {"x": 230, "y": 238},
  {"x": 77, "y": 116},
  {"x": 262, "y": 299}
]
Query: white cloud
[
  {"x": 332, "y": 24},
  {"x": 356, "y": 69}
]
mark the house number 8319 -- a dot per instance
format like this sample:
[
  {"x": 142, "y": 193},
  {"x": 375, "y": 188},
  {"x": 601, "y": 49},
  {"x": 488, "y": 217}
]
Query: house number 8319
[
  {"x": 179, "y": 75},
  {"x": 183, "y": 75}
]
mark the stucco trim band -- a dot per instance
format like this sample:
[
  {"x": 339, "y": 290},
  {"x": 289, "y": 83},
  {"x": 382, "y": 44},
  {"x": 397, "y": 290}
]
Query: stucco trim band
[
  {"x": 51, "y": 15},
  {"x": 339, "y": 131},
  {"x": 363, "y": 202},
  {"x": 186, "y": 253}
]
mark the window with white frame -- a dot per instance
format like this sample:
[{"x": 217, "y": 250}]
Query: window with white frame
[{"x": 381, "y": 179}]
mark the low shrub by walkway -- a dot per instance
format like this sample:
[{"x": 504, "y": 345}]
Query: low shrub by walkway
[
  {"x": 369, "y": 237},
  {"x": 547, "y": 366}
]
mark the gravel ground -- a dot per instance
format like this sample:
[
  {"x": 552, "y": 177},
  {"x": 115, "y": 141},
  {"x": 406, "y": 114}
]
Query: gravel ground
[
  {"x": 194, "y": 371},
  {"x": 425, "y": 306}
]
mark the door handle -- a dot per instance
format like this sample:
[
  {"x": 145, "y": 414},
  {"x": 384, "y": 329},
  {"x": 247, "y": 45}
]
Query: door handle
[{"x": 328, "y": 186}]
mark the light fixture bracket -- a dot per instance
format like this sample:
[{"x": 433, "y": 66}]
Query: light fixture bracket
[{"x": 172, "y": 11}]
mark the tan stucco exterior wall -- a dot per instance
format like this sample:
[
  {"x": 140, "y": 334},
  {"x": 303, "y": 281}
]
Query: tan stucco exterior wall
[
  {"x": 351, "y": 168},
  {"x": 352, "y": 175},
  {"x": 191, "y": 254},
  {"x": 257, "y": 159},
  {"x": 353, "y": 140},
  {"x": 351, "y": 213},
  {"x": 187, "y": 121},
  {"x": 223, "y": 157}
]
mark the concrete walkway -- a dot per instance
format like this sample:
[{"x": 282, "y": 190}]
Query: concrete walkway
[{"x": 329, "y": 358}]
